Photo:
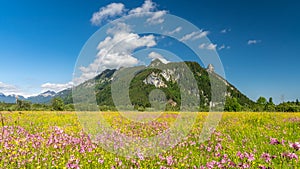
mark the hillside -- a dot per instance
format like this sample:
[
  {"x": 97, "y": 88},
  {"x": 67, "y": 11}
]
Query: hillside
[
  {"x": 172, "y": 79},
  {"x": 157, "y": 75}
]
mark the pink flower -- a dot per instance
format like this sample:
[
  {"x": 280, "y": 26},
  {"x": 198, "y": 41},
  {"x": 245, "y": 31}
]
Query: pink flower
[
  {"x": 218, "y": 147},
  {"x": 211, "y": 164},
  {"x": 100, "y": 161},
  {"x": 295, "y": 145},
  {"x": 140, "y": 156},
  {"x": 250, "y": 157},
  {"x": 274, "y": 141},
  {"x": 246, "y": 166},
  {"x": 266, "y": 157},
  {"x": 290, "y": 156},
  {"x": 240, "y": 155},
  {"x": 169, "y": 160}
]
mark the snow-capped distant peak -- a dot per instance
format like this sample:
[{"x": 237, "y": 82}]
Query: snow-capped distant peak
[{"x": 48, "y": 93}]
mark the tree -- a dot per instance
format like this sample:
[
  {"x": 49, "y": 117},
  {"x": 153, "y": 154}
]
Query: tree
[
  {"x": 270, "y": 100},
  {"x": 57, "y": 104},
  {"x": 23, "y": 105},
  {"x": 261, "y": 104},
  {"x": 232, "y": 104},
  {"x": 270, "y": 106},
  {"x": 261, "y": 101}
]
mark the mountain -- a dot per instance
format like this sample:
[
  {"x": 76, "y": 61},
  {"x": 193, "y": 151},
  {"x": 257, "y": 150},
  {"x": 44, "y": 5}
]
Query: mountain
[
  {"x": 10, "y": 98},
  {"x": 170, "y": 78},
  {"x": 42, "y": 98},
  {"x": 173, "y": 80}
]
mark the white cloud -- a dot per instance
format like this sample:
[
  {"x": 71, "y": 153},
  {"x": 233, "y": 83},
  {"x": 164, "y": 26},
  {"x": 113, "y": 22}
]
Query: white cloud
[
  {"x": 8, "y": 89},
  {"x": 154, "y": 55},
  {"x": 210, "y": 46},
  {"x": 157, "y": 17},
  {"x": 225, "y": 30},
  {"x": 118, "y": 9},
  {"x": 56, "y": 87},
  {"x": 148, "y": 6},
  {"x": 223, "y": 47},
  {"x": 252, "y": 42},
  {"x": 195, "y": 35},
  {"x": 111, "y": 10},
  {"x": 115, "y": 51},
  {"x": 176, "y": 30}
]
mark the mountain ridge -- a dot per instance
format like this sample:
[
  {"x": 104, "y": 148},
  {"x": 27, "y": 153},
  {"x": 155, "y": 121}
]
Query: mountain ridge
[{"x": 155, "y": 75}]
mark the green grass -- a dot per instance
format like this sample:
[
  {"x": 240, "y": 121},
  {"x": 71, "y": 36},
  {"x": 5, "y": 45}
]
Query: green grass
[{"x": 56, "y": 140}]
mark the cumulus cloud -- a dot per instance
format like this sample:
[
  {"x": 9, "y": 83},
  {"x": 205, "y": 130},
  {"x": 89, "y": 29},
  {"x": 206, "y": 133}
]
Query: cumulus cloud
[
  {"x": 56, "y": 87},
  {"x": 109, "y": 11},
  {"x": 195, "y": 35},
  {"x": 209, "y": 46},
  {"x": 154, "y": 55},
  {"x": 118, "y": 9},
  {"x": 156, "y": 17},
  {"x": 115, "y": 51},
  {"x": 148, "y": 6},
  {"x": 8, "y": 89},
  {"x": 252, "y": 42}
]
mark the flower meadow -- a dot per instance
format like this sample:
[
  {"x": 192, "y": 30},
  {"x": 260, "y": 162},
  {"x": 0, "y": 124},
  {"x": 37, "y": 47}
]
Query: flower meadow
[{"x": 241, "y": 140}]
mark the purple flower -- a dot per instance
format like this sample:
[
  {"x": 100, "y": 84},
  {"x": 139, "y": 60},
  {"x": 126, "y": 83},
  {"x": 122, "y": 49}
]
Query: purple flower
[
  {"x": 295, "y": 145},
  {"x": 100, "y": 161},
  {"x": 169, "y": 160},
  {"x": 274, "y": 141},
  {"x": 240, "y": 155},
  {"x": 266, "y": 157},
  {"x": 211, "y": 164},
  {"x": 290, "y": 156},
  {"x": 140, "y": 156},
  {"x": 250, "y": 157}
]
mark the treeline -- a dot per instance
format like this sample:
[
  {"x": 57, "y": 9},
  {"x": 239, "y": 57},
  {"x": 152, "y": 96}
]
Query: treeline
[
  {"x": 231, "y": 105},
  {"x": 57, "y": 104},
  {"x": 261, "y": 105}
]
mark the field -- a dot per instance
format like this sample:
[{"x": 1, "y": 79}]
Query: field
[{"x": 241, "y": 140}]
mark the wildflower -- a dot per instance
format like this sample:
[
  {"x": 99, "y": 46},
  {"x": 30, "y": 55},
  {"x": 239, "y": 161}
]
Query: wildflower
[
  {"x": 140, "y": 156},
  {"x": 295, "y": 145},
  {"x": 274, "y": 141},
  {"x": 290, "y": 156},
  {"x": 169, "y": 160},
  {"x": 250, "y": 157},
  {"x": 100, "y": 160},
  {"x": 240, "y": 155},
  {"x": 218, "y": 147},
  {"x": 266, "y": 157},
  {"x": 208, "y": 149}
]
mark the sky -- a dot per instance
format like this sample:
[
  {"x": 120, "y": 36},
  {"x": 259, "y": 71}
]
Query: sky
[{"x": 257, "y": 41}]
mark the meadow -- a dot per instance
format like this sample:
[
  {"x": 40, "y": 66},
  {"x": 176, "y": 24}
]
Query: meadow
[{"x": 241, "y": 140}]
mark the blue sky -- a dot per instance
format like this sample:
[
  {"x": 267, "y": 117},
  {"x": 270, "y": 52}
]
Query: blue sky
[{"x": 41, "y": 40}]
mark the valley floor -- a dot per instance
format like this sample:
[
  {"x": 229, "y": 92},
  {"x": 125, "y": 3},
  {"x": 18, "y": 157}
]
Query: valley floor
[{"x": 57, "y": 140}]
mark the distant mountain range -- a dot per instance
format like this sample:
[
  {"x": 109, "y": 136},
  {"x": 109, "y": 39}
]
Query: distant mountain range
[
  {"x": 10, "y": 98},
  {"x": 44, "y": 97},
  {"x": 157, "y": 75}
]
